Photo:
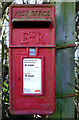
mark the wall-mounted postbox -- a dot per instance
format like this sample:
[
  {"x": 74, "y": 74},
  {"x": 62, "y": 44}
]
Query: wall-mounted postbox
[{"x": 32, "y": 59}]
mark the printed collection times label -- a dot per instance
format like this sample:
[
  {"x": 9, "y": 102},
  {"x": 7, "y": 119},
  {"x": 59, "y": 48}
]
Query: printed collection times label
[{"x": 31, "y": 75}]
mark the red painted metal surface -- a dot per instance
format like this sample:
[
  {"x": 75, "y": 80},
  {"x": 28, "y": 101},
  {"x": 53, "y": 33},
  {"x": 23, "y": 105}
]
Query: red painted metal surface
[{"x": 32, "y": 26}]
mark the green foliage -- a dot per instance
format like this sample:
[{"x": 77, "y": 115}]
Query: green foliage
[{"x": 5, "y": 69}]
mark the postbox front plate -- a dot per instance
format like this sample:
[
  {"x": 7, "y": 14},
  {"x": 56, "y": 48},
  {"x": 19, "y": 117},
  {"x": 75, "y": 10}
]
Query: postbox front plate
[{"x": 32, "y": 59}]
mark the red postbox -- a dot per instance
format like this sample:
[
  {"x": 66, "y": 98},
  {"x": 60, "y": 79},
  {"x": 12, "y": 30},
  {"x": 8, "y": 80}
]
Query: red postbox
[{"x": 32, "y": 59}]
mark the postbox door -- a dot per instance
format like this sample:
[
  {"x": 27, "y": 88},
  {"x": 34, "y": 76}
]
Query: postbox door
[{"x": 29, "y": 100}]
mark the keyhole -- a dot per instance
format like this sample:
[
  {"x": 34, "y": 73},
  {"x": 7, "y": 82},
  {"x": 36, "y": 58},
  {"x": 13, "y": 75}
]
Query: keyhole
[{"x": 19, "y": 78}]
